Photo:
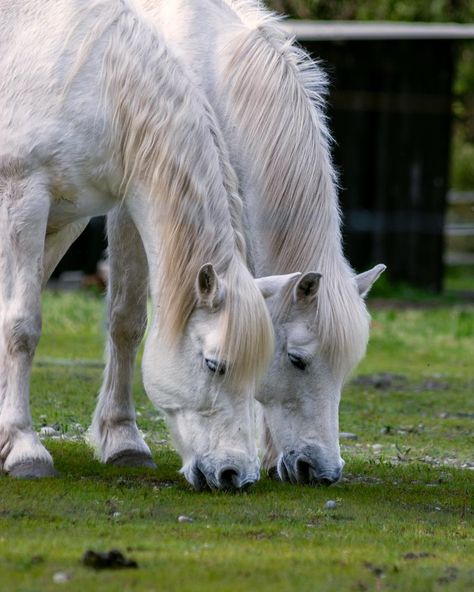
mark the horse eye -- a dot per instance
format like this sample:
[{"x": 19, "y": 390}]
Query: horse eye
[
  {"x": 297, "y": 362},
  {"x": 215, "y": 367}
]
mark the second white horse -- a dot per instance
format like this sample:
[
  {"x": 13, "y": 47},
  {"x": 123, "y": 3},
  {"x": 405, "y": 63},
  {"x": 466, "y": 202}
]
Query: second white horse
[{"x": 269, "y": 97}]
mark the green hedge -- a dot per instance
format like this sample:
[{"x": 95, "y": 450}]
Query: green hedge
[{"x": 461, "y": 11}]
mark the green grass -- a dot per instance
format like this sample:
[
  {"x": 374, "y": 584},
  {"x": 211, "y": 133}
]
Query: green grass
[
  {"x": 459, "y": 278},
  {"x": 404, "y": 518}
]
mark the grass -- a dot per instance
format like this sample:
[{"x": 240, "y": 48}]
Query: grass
[
  {"x": 458, "y": 281},
  {"x": 460, "y": 278},
  {"x": 404, "y": 518}
]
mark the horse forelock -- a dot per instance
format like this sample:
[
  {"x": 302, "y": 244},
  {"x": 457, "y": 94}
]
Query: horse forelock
[
  {"x": 246, "y": 328},
  {"x": 274, "y": 96},
  {"x": 342, "y": 323},
  {"x": 338, "y": 318}
]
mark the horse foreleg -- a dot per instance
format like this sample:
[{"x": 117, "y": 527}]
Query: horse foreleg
[
  {"x": 114, "y": 430},
  {"x": 24, "y": 207}
]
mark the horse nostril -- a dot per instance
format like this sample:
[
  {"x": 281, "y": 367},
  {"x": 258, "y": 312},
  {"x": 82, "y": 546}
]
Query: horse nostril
[
  {"x": 199, "y": 480},
  {"x": 229, "y": 479},
  {"x": 307, "y": 471},
  {"x": 303, "y": 470}
]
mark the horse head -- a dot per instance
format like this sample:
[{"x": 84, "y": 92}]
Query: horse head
[
  {"x": 301, "y": 391},
  {"x": 201, "y": 386}
]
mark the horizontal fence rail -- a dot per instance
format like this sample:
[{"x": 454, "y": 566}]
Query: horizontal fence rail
[
  {"x": 459, "y": 230},
  {"x": 461, "y": 197}
]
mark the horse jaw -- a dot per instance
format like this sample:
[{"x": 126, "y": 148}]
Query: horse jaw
[{"x": 300, "y": 410}]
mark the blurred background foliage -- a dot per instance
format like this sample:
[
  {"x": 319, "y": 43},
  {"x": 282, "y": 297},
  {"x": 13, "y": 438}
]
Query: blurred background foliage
[
  {"x": 460, "y": 11},
  {"x": 430, "y": 11}
]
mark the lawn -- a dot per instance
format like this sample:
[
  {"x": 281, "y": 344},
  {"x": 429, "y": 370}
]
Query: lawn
[{"x": 404, "y": 515}]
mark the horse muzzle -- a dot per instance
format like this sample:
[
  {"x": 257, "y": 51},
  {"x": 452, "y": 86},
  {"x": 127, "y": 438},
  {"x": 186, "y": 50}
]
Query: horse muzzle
[
  {"x": 307, "y": 467},
  {"x": 226, "y": 474}
]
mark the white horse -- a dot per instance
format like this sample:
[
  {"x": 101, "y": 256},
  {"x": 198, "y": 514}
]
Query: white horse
[
  {"x": 97, "y": 115},
  {"x": 269, "y": 97}
]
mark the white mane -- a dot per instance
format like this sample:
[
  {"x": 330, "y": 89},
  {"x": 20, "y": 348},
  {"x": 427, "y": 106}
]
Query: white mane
[
  {"x": 153, "y": 108},
  {"x": 275, "y": 102}
]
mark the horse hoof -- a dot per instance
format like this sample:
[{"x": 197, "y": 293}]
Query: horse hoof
[
  {"x": 31, "y": 469},
  {"x": 131, "y": 458}
]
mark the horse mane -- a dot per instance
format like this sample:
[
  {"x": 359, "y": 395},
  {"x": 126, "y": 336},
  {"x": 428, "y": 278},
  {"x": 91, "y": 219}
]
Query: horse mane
[
  {"x": 274, "y": 98},
  {"x": 169, "y": 145}
]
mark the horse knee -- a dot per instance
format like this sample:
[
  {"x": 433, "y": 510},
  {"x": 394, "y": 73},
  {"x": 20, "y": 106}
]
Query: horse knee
[
  {"x": 126, "y": 329},
  {"x": 22, "y": 333}
]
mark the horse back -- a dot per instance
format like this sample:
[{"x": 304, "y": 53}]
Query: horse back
[{"x": 51, "y": 115}]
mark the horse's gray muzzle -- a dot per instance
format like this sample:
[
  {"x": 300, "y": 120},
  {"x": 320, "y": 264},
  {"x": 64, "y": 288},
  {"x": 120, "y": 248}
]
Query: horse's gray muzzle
[
  {"x": 306, "y": 466},
  {"x": 226, "y": 476}
]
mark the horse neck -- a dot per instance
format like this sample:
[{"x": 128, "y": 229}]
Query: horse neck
[{"x": 272, "y": 101}]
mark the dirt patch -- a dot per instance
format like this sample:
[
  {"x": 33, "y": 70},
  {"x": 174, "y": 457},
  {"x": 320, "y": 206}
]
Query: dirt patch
[
  {"x": 422, "y": 555},
  {"x": 383, "y": 381},
  {"x": 113, "y": 559}
]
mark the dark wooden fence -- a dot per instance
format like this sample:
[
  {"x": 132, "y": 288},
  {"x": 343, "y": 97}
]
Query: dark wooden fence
[{"x": 390, "y": 112}]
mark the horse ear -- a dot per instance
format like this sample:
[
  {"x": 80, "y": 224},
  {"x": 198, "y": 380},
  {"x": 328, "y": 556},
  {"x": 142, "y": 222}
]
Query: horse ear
[
  {"x": 306, "y": 288},
  {"x": 272, "y": 284},
  {"x": 367, "y": 279},
  {"x": 207, "y": 287}
]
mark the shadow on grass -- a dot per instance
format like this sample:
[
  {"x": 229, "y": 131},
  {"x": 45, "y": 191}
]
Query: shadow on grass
[{"x": 75, "y": 460}]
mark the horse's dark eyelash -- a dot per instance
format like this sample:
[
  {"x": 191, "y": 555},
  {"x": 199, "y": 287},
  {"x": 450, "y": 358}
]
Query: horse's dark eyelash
[
  {"x": 215, "y": 367},
  {"x": 298, "y": 361}
]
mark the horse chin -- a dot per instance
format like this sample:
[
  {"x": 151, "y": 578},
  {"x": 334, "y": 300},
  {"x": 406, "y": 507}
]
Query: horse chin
[
  {"x": 224, "y": 474},
  {"x": 304, "y": 467}
]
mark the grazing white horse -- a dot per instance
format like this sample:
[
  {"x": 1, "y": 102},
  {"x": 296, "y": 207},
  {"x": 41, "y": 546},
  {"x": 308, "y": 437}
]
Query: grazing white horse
[
  {"x": 269, "y": 97},
  {"x": 96, "y": 114}
]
